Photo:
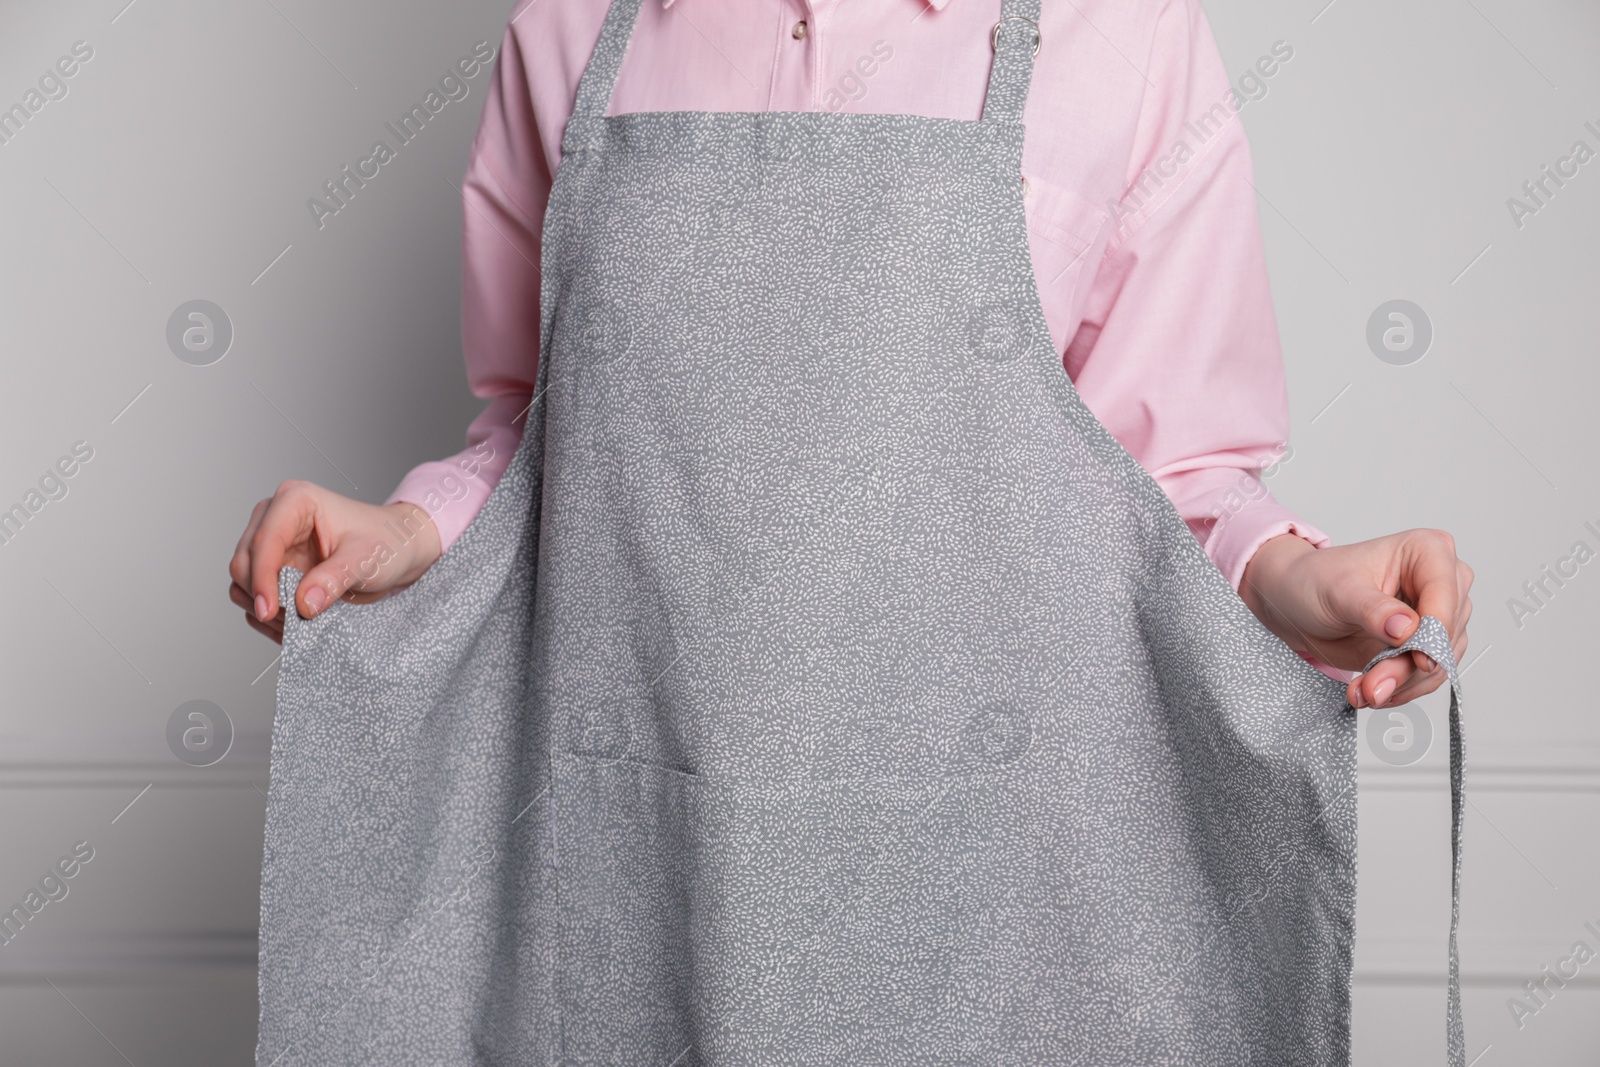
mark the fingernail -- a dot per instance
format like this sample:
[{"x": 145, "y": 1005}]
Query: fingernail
[
  {"x": 1397, "y": 625},
  {"x": 1382, "y": 693},
  {"x": 317, "y": 599},
  {"x": 261, "y": 607}
]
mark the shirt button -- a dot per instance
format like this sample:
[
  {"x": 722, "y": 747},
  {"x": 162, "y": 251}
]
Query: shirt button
[{"x": 800, "y": 30}]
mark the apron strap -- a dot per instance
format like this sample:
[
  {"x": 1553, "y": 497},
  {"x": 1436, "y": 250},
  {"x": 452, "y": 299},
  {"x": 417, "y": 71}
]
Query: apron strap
[
  {"x": 1015, "y": 39},
  {"x": 599, "y": 77},
  {"x": 1432, "y": 640}
]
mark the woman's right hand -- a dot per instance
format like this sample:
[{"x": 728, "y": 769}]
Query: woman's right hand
[{"x": 345, "y": 548}]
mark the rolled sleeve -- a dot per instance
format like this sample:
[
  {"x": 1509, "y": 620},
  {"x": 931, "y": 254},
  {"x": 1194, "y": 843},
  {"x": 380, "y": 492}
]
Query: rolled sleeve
[{"x": 1178, "y": 352}]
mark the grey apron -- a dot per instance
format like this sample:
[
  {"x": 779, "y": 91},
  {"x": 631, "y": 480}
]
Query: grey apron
[{"x": 821, "y": 683}]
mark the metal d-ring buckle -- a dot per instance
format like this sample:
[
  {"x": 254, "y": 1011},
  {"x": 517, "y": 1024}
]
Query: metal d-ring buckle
[{"x": 994, "y": 38}]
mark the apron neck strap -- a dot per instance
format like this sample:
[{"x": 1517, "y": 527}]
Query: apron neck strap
[
  {"x": 1015, "y": 39},
  {"x": 599, "y": 77}
]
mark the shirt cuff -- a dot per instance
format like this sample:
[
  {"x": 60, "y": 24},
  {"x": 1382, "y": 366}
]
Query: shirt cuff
[
  {"x": 1235, "y": 537},
  {"x": 452, "y": 491}
]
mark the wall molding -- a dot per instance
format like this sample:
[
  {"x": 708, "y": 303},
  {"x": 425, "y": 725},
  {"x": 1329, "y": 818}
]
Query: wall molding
[
  {"x": 121, "y": 956},
  {"x": 1490, "y": 776},
  {"x": 133, "y": 761},
  {"x": 122, "y": 759},
  {"x": 124, "y": 956}
]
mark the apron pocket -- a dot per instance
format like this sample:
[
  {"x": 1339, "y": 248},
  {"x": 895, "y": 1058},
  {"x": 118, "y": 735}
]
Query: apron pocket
[{"x": 840, "y": 920}]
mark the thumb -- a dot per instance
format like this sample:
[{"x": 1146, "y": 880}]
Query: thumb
[
  {"x": 346, "y": 568},
  {"x": 1387, "y": 619}
]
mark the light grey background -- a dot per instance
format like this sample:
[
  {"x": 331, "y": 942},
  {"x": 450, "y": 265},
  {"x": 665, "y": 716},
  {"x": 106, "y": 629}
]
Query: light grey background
[{"x": 177, "y": 168}]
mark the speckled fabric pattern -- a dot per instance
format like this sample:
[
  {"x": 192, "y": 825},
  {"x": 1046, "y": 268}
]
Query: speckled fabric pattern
[
  {"x": 1433, "y": 640},
  {"x": 821, "y": 683}
]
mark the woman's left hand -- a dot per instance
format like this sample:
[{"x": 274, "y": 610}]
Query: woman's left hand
[{"x": 1346, "y": 603}]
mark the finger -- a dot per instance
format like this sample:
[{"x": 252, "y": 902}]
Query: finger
[
  {"x": 1418, "y": 685},
  {"x": 243, "y": 600},
  {"x": 1458, "y": 636},
  {"x": 1434, "y": 678},
  {"x": 1458, "y": 632},
  {"x": 263, "y": 628},
  {"x": 1426, "y": 663},
  {"x": 1377, "y": 687},
  {"x": 1425, "y": 682},
  {"x": 289, "y": 519},
  {"x": 239, "y": 565},
  {"x": 1464, "y": 613},
  {"x": 1432, "y": 577},
  {"x": 1387, "y": 679}
]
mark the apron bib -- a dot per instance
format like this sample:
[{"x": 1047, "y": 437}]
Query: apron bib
[{"x": 821, "y": 682}]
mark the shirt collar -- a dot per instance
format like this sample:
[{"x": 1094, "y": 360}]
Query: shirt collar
[{"x": 937, "y": 5}]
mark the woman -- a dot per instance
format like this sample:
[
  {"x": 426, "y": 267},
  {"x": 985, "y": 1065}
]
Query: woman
[{"x": 821, "y": 680}]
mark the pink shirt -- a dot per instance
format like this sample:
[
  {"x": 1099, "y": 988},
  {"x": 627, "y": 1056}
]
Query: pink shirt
[{"x": 1141, "y": 213}]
